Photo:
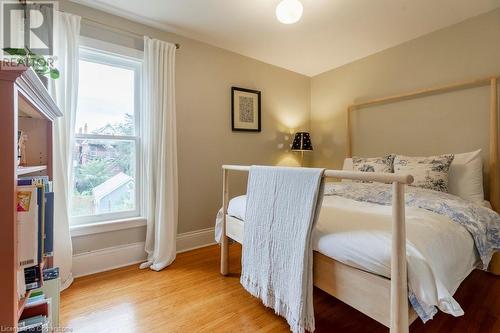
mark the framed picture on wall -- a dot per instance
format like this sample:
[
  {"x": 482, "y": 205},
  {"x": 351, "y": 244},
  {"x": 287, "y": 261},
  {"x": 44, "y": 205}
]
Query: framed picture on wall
[{"x": 245, "y": 110}]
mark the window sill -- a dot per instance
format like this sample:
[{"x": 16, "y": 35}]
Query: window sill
[{"x": 107, "y": 226}]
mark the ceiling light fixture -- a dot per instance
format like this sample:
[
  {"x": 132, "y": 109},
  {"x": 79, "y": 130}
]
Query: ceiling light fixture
[{"x": 289, "y": 11}]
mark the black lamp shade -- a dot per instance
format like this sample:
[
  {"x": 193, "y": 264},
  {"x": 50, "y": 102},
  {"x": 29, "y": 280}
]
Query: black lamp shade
[{"x": 302, "y": 142}]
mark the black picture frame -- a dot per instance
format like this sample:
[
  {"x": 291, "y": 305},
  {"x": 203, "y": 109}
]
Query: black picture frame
[{"x": 259, "y": 118}]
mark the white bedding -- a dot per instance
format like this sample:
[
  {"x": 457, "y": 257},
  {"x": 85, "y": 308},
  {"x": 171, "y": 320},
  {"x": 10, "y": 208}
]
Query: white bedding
[{"x": 440, "y": 253}]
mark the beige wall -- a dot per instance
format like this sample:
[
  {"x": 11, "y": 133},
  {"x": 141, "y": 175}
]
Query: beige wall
[
  {"x": 204, "y": 76},
  {"x": 454, "y": 122}
]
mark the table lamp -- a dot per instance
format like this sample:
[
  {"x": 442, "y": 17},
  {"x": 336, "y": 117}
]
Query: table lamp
[{"x": 302, "y": 143}]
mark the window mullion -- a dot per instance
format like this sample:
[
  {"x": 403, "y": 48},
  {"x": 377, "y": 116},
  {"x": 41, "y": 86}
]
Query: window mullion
[{"x": 106, "y": 137}]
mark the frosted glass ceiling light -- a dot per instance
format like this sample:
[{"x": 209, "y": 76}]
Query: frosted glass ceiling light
[{"x": 289, "y": 11}]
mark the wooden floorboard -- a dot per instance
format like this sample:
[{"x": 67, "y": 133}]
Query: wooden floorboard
[{"x": 191, "y": 296}]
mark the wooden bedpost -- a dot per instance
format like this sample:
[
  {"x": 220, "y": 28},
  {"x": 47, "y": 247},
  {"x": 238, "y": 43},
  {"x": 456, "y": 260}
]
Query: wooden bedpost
[
  {"x": 494, "y": 165},
  {"x": 399, "y": 283},
  {"x": 494, "y": 168},
  {"x": 224, "y": 243},
  {"x": 349, "y": 132}
]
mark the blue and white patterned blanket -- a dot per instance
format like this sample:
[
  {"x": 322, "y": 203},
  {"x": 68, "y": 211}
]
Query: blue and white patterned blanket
[{"x": 482, "y": 223}]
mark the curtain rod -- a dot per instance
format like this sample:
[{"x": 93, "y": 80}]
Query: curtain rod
[
  {"x": 134, "y": 34},
  {"x": 119, "y": 30},
  {"x": 131, "y": 33}
]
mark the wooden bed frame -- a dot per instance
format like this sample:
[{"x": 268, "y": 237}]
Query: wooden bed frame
[
  {"x": 383, "y": 299},
  {"x": 492, "y": 81}
]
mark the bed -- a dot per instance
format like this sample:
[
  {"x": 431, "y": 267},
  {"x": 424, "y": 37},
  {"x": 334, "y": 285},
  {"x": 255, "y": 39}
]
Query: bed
[{"x": 353, "y": 262}]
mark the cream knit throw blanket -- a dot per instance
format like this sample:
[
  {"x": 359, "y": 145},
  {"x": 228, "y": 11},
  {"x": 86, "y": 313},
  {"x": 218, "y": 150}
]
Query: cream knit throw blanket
[{"x": 282, "y": 206}]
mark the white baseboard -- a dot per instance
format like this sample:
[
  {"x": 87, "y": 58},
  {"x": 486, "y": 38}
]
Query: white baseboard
[
  {"x": 195, "y": 239},
  {"x": 124, "y": 255},
  {"x": 106, "y": 259}
]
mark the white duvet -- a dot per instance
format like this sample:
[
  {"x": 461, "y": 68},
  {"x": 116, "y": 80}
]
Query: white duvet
[{"x": 440, "y": 253}]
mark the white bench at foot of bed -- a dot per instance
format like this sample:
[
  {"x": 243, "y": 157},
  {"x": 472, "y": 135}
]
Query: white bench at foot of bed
[{"x": 367, "y": 292}]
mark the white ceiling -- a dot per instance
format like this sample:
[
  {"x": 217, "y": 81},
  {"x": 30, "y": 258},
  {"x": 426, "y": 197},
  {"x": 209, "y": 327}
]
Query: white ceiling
[{"x": 330, "y": 34}]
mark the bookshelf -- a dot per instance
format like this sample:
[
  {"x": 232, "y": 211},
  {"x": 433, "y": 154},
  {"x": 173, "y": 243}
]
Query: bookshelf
[{"x": 25, "y": 105}]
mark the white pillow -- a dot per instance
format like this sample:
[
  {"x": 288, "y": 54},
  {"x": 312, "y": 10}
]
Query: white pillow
[{"x": 465, "y": 177}]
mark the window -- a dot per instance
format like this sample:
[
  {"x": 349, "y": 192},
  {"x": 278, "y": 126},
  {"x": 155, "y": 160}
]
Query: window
[{"x": 106, "y": 163}]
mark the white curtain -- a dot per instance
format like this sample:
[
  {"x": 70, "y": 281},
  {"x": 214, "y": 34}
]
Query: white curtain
[
  {"x": 64, "y": 91},
  {"x": 160, "y": 149}
]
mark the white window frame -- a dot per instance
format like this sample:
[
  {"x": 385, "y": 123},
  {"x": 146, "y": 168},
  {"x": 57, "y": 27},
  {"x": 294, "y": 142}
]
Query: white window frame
[{"x": 118, "y": 56}]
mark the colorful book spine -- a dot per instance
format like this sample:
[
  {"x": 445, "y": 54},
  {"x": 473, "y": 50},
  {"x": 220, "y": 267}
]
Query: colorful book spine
[
  {"x": 50, "y": 273},
  {"x": 49, "y": 224}
]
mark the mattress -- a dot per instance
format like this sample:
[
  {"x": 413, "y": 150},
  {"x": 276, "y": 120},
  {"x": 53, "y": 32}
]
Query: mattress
[{"x": 440, "y": 253}]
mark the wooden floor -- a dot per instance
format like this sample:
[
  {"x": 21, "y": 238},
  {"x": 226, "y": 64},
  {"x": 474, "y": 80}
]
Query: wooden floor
[{"x": 191, "y": 296}]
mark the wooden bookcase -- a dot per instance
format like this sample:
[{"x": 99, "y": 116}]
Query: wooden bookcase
[{"x": 25, "y": 104}]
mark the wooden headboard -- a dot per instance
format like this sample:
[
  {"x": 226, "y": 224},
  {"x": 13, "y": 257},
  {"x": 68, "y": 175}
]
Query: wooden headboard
[{"x": 492, "y": 81}]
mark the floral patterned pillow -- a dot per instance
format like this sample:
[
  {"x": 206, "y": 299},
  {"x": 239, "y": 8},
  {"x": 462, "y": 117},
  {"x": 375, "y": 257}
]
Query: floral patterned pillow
[
  {"x": 428, "y": 172},
  {"x": 373, "y": 164}
]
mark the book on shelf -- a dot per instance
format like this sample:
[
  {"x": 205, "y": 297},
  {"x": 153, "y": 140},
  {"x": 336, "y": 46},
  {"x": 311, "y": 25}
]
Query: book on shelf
[
  {"x": 38, "y": 323},
  {"x": 50, "y": 273},
  {"x": 21, "y": 284},
  {"x": 49, "y": 225},
  {"x": 27, "y": 225},
  {"x": 33, "y": 277},
  {"x": 37, "y": 309},
  {"x": 37, "y": 296},
  {"x": 41, "y": 221}
]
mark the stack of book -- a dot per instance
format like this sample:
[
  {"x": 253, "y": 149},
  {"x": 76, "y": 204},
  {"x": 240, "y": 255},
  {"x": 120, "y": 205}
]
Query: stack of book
[
  {"x": 37, "y": 313},
  {"x": 35, "y": 220}
]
